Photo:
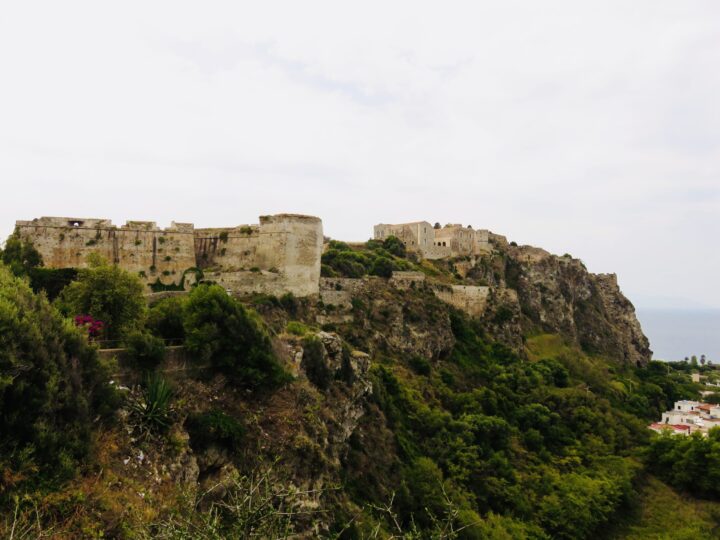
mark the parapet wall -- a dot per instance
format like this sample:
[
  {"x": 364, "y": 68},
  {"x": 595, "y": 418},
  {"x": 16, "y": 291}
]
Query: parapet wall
[{"x": 280, "y": 255}]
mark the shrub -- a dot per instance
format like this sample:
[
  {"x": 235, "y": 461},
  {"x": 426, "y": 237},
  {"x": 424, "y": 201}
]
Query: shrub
[
  {"x": 383, "y": 267},
  {"x": 107, "y": 293},
  {"x": 165, "y": 318},
  {"x": 420, "y": 365},
  {"x": 395, "y": 246},
  {"x": 503, "y": 315},
  {"x": 313, "y": 363},
  {"x": 297, "y": 328},
  {"x": 223, "y": 237},
  {"x": 145, "y": 350},
  {"x": 20, "y": 256},
  {"x": 233, "y": 339},
  {"x": 214, "y": 427},
  {"x": 52, "y": 383},
  {"x": 51, "y": 280}
]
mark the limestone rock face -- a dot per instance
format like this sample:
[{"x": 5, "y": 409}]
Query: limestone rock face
[
  {"x": 559, "y": 295},
  {"x": 346, "y": 395}
]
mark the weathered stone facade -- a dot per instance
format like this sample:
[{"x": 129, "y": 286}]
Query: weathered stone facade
[
  {"x": 452, "y": 240},
  {"x": 281, "y": 254}
]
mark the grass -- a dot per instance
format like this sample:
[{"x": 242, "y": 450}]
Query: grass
[{"x": 664, "y": 514}]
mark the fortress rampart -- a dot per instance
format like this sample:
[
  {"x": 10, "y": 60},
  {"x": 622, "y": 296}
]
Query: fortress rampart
[{"x": 280, "y": 254}]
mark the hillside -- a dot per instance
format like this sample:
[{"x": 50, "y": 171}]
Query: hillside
[{"x": 503, "y": 396}]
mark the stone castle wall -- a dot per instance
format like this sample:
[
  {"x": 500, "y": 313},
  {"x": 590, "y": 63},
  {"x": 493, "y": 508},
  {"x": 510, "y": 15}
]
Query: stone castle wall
[
  {"x": 279, "y": 255},
  {"x": 452, "y": 240},
  {"x": 138, "y": 247},
  {"x": 468, "y": 298}
]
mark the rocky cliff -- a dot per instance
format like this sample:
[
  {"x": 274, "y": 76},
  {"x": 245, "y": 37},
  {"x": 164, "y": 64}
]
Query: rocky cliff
[{"x": 557, "y": 294}]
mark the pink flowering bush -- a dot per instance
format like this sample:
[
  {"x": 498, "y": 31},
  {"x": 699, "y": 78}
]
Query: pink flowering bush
[{"x": 94, "y": 326}]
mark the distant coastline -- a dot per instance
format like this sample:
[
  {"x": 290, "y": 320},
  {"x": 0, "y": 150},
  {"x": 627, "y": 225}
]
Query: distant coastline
[{"x": 675, "y": 333}]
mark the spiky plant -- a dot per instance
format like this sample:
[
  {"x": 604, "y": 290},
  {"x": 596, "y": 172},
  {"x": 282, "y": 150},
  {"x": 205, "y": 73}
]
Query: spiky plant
[{"x": 153, "y": 407}]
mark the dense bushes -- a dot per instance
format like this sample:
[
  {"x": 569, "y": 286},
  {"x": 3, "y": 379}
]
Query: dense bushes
[
  {"x": 145, "y": 350},
  {"x": 489, "y": 432},
  {"x": 214, "y": 427},
  {"x": 313, "y": 363},
  {"x": 19, "y": 256},
  {"x": 688, "y": 463},
  {"x": 165, "y": 318},
  {"x": 233, "y": 339},
  {"x": 377, "y": 259},
  {"x": 51, "y": 384},
  {"x": 107, "y": 293},
  {"x": 23, "y": 259}
]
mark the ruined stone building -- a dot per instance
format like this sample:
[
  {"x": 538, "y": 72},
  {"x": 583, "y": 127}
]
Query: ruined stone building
[
  {"x": 452, "y": 240},
  {"x": 280, "y": 254}
]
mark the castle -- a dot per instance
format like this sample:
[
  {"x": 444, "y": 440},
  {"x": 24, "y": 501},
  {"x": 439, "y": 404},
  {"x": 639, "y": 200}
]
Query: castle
[
  {"x": 281, "y": 254},
  {"x": 452, "y": 240}
]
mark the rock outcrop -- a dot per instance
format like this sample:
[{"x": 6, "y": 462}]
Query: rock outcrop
[{"x": 558, "y": 295}]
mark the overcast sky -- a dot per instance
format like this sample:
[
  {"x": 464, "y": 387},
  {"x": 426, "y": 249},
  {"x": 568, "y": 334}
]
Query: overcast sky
[{"x": 584, "y": 127}]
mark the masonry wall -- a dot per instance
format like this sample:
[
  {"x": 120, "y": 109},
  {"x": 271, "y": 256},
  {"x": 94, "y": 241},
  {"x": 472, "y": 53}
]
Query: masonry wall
[
  {"x": 138, "y": 247},
  {"x": 279, "y": 255},
  {"x": 468, "y": 298}
]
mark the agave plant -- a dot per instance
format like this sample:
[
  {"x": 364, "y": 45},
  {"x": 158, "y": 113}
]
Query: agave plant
[{"x": 153, "y": 407}]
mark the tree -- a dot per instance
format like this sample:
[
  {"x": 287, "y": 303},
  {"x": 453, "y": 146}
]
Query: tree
[
  {"x": 383, "y": 267},
  {"x": 394, "y": 246},
  {"x": 165, "y": 318},
  {"x": 233, "y": 339},
  {"x": 702, "y": 359},
  {"x": 20, "y": 256},
  {"x": 109, "y": 294},
  {"x": 437, "y": 225},
  {"x": 51, "y": 385}
]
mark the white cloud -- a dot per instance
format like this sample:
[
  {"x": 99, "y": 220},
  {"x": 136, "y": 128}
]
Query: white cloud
[{"x": 590, "y": 128}]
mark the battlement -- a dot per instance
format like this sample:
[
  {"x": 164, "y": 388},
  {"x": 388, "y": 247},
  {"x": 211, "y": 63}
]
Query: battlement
[{"x": 280, "y": 254}]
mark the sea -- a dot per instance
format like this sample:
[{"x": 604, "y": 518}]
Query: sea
[{"x": 675, "y": 334}]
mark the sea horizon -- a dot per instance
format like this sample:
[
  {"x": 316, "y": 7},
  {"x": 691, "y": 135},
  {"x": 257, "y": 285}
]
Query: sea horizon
[{"x": 678, "y": 333}]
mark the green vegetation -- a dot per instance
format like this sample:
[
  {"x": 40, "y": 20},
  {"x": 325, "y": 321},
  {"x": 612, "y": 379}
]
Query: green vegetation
[
  {"x": 20, "y": 256},
  {"x": 219, "y": 329},
  {"x": 662, "y": 513},
  {"x": 165, "y": 318},
  {"x": 51, "y": 386},
  {"x": 144, "y": 350},
  {"x": 689, "y": 463},
  {"x": 215, "y": 427},
  {"x": 525, "y": 440},
  {"x": 297, "y": 328},
  {"x": 460, "y": 437},
  {"x": 152, "y": 409},
  {"x": 108, "y": 293},
  {"x": 377, "y": 259},
  {"x": 51, "y": 280},
  {"x": 312, "y": 363}
]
